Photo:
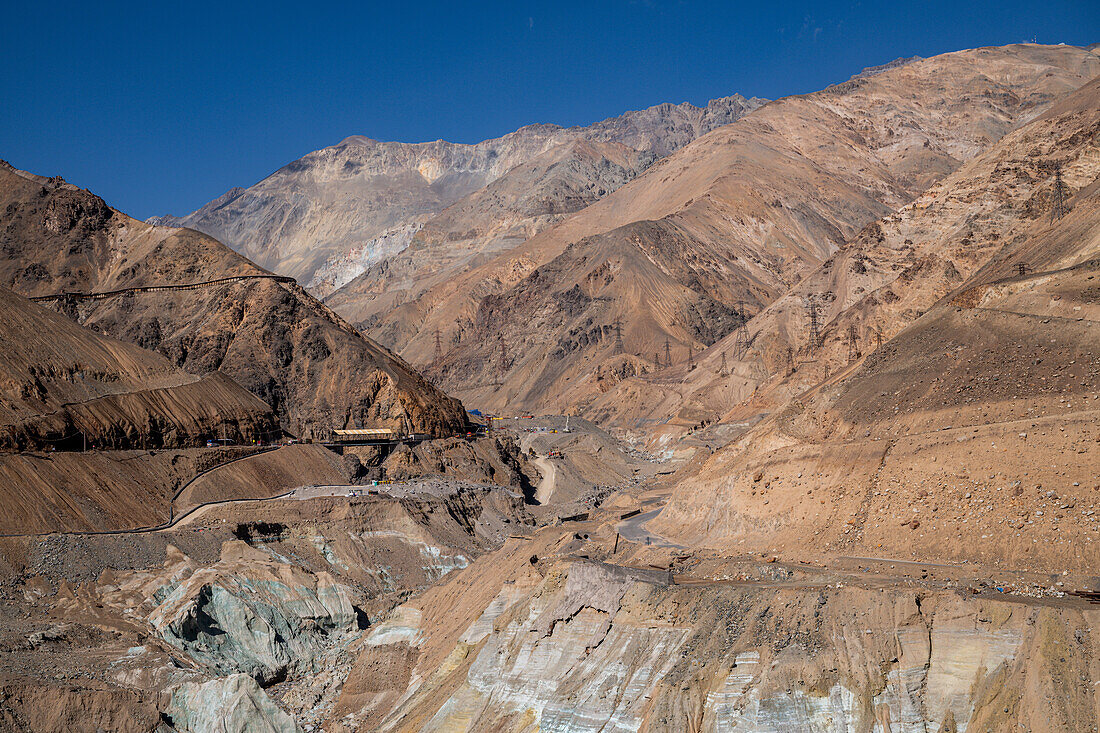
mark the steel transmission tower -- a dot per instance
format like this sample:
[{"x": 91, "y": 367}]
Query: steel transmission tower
[
  {"x": 503, "y": 358},
  {"x": 741, "y": 339},
  {"x": 813, "y": 316},
  {"x": 853, "y": 344},
  {"x": 1058, "y": 207}
]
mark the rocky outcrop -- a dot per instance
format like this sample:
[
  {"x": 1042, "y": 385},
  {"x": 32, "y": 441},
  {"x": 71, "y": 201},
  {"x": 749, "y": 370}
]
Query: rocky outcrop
[
  {"x": 295, "y": 587},
  {"x": 252, "y": 614},
  {"x": 594, "y": 648},
  {"x": 234, "y": 704},
  {"x": 494, "y": 460}
]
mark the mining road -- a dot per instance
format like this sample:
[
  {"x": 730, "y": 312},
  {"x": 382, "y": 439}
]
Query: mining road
[{"x": 634, "y": 530}]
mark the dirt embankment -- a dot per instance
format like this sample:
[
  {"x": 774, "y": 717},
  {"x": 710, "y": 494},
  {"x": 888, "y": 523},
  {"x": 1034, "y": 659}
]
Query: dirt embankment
[
  {"x": 122, "y": 490},
  {"x": 269, "y": 474}
]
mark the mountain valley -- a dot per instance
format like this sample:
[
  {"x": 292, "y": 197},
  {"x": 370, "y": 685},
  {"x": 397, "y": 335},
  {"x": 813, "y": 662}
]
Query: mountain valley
[{"x": 762, "y": 416}]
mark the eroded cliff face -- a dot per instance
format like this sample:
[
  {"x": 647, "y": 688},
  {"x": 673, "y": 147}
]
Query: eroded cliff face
[
  {"x": 254, "y": 627},
  {"x": 593, "y": 647}
]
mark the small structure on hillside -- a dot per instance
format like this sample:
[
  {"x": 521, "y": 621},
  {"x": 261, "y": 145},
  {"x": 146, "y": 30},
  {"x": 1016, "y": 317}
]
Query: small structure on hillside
[{"x": 364, "y": 436}]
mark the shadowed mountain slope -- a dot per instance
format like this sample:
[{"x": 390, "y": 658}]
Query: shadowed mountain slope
[
  {"x": 270, "y": 336},
  {"x": 64, "y": 386}
]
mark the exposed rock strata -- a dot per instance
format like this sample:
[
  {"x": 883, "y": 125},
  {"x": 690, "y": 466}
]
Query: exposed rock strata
[
  {"x": 587, "y": 650},
  {"x": 234, "y": 704}
]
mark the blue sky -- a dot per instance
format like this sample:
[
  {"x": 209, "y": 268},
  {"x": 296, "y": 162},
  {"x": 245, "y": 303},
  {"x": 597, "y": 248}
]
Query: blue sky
[{"x": 160, "y": 107}]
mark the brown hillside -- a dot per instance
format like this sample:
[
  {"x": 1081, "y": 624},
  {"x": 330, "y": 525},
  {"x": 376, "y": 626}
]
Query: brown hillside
[
  {"x": 742, "y": 213},
  {"x": 271, "y": 337},
  {"x": 982, "y": 222},
  {"x": 524, "y": 201},
  {"x": 62, "y": 385},
  {"x": 337, "y": 210},
  {"x": 971, "y": 434}
]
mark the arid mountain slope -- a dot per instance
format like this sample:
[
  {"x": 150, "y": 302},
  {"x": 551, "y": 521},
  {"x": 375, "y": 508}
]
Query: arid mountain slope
[
  {"x": 990, "y": 216},
  {"x": 971, "y": 436},
  {"x": 973, "y": 429},
  {"x": 62, "y": 386},
  {"x": 529, "y": 198},
  {"x": 271, "y": 337},
  {"x": 742, "y": 213},
  {"x": 337, "y": 200}
]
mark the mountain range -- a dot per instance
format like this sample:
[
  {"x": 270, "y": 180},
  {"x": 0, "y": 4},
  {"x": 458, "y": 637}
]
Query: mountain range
[
  {"x": 817, "y": 384},
  {"x": 572, "y": 266},
  {"x": 328, "y": 215}
]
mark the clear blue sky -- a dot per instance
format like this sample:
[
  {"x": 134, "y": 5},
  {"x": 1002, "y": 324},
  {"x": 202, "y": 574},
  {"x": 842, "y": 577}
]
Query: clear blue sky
[{"x": 160, "y": 107}]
